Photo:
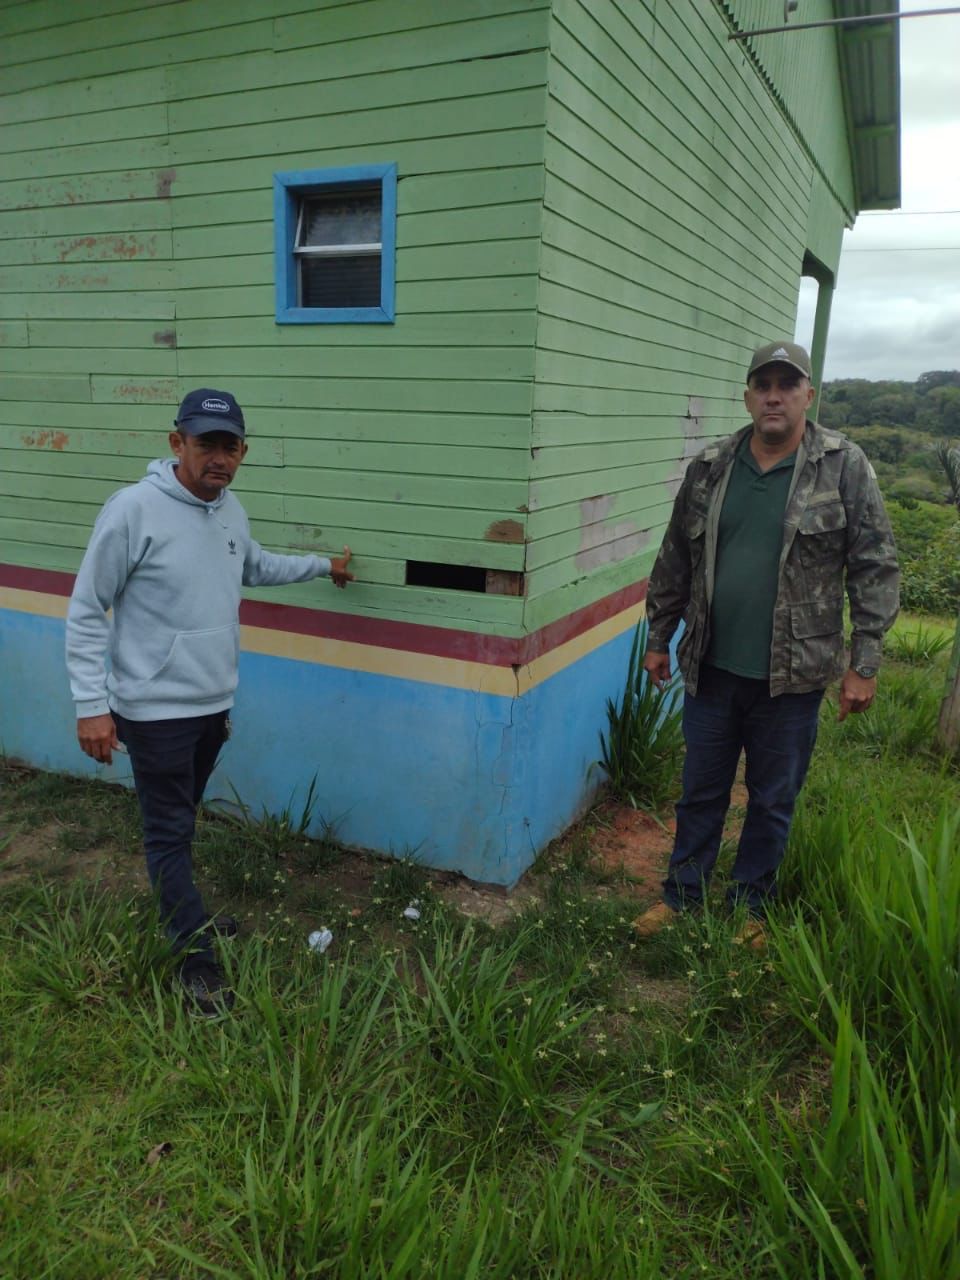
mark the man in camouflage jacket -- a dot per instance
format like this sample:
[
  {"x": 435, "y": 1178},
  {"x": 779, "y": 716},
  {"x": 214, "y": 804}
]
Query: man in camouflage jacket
[{"x": 768, "y": 529}]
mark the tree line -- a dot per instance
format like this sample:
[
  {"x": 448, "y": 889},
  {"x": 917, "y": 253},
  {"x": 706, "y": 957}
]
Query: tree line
[{"x": 931, "y": 404}]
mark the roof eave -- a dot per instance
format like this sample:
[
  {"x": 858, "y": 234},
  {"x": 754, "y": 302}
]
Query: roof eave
[{"x": 870, "y": 67}]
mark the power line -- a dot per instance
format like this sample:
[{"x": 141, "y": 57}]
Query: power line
[
  {"x": 908, "y": 213},
  {"x": 894, "y": 248}
]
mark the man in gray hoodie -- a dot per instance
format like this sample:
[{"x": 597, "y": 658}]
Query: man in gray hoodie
[{"x": 169, "y": 556}]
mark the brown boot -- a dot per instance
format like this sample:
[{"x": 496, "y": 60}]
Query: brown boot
[
  {"x": 753, "y": 935},
  {"x": 653, "y": 920}
]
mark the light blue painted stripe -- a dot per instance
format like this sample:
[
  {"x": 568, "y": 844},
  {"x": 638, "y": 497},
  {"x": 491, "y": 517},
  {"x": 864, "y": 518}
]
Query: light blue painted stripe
[{"x": 469, "y": 782}]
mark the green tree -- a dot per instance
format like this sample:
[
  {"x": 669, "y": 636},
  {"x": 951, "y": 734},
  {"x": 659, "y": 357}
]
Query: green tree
[{"x": 949, "y": 724}]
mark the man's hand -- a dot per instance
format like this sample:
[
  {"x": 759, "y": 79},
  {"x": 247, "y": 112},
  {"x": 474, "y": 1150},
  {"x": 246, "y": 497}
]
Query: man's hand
[
  {"x": 856, "y": 693},
  {"x": 97, "y": 736},
  {"x": 338, "y": 568},
  {"x": 657, "y": 667}
]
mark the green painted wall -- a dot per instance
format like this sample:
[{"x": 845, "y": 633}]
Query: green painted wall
[
  {"x": 603, "y": 205},
  {"x": 136, "y": 261},
  {"x": 680, "y": 198}
]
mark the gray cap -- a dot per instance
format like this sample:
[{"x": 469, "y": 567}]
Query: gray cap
[{"x": 781, "y": 352}]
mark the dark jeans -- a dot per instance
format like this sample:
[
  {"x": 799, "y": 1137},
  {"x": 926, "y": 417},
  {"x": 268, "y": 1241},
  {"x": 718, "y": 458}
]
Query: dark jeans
[
  {"x": 729, "y": 714},
  {"x": 172, "y": 761}
]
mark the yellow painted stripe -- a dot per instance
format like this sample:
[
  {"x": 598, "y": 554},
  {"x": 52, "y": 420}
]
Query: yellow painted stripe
[
  {"x": 455, "y": 673},
  {"x": 565, "y": 655},
  {"x": 33, "y": 602},
  {"x": 376, "y": 660}
]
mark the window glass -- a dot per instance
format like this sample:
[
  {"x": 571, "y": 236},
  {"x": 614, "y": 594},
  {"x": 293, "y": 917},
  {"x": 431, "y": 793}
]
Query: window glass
[
  {"x": 347, "y": 280},
  {"x": 346, "y": 217}
]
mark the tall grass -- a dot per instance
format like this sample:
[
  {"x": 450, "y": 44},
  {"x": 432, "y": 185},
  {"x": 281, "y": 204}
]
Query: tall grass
[
  {"x": 641, "y": 750},
  {"x": 553, "y": 1100}
]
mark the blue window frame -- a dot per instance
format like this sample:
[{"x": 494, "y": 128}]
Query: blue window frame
[{"x": 335, "y": 235}]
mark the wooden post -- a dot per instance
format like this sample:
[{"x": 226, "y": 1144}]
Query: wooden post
[{"x": 949, "y": 728}]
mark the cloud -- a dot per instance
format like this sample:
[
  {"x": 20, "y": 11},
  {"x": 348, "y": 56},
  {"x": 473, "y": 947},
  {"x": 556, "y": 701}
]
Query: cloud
[{"x": 896, "y": 310}]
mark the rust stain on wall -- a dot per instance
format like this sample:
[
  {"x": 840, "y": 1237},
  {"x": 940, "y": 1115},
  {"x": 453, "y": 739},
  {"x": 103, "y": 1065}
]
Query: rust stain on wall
[
  {"x": 46, "y": 440},
  {"x": 84, "y": 282},
  {"x": 82, "y": 242},
  {"x": 109, "y": 247},
  {"x": 139, "y": 392},
  {"x": 165, "y": 337},
  {"x": 504, "y": 531},
  {"x": 165, "y": 180}
]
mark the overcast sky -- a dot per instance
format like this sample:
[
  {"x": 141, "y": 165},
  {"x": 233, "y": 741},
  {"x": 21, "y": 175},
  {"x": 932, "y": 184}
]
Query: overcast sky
[{"x": 896, "y": 310}]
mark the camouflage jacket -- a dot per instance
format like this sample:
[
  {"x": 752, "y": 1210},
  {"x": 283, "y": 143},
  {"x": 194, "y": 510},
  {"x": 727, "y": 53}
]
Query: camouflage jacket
[{"x": 835, "y": 534}]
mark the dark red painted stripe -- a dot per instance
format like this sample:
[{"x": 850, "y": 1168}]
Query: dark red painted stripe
[
  {"x": 414, "y": 637},
  {"x": 46, "y": 580}
]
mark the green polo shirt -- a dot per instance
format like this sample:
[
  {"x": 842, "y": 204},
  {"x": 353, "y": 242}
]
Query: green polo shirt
[{"x": 749, "y": 540}]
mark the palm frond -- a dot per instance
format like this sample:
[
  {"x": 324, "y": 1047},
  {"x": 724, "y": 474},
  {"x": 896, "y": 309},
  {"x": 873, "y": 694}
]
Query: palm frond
[{"x": 949, "y": 458}]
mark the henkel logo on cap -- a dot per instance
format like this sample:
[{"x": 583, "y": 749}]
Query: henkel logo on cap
[{"x": 215, "y": 406}]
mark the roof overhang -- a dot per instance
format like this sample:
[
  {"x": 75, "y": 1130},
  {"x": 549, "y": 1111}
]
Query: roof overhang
[{"x": 870, "y": 69}]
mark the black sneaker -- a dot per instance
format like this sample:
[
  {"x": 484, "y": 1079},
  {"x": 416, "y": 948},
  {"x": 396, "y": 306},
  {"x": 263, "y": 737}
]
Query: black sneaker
[
  {"x": 207, "y": 990},
  {"x": 225, "y": 926}
]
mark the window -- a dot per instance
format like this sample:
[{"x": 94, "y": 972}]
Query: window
[{"x": 335, "y": 235}]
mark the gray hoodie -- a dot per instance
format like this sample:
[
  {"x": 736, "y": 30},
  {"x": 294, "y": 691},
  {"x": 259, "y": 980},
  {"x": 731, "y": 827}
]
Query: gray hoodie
[{"x": 171, "y": 567}]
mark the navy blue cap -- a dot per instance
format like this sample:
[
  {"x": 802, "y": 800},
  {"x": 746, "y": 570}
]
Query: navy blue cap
[{"x": 207, "y": 410}]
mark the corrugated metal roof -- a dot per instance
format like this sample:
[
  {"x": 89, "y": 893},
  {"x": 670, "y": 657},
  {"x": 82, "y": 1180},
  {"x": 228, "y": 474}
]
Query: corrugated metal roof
[{"x": 870, "y": 66}]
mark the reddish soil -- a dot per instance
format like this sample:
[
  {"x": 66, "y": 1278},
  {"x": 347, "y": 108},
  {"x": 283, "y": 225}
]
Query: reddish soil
[{"x": 633, "y": 845}]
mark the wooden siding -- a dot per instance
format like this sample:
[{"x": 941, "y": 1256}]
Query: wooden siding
[
  {"x": 136, "y": 261},
  {"x": 803, "y": 71},
  {"x": 677, "y": 201}
]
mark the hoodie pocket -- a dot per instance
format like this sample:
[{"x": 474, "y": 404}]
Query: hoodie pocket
[{"x": 201, "y": 666}]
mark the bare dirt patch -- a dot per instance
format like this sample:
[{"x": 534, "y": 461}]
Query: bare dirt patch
[
  {"x": 633, "y": 845},
  {"x": 621, "y": 850},
  {"x": 493, "y": 905},
  {"x": 28, "y": 855}
]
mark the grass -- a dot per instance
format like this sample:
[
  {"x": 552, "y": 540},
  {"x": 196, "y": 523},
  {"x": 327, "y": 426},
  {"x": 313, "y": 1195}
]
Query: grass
[
  {"x": 433, "y": 1098},
  {"x": 918, "y": 642},
  {"x": 642, "y": 749}
]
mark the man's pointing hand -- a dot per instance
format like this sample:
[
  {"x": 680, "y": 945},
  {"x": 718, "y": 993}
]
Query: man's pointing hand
[{"x": 338, "y": 568}]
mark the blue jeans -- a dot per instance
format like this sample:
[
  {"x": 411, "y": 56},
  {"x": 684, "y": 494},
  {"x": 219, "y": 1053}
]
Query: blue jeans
[
  {"x": 172, "y": 761},
  {"x": 732, "y": 713}
]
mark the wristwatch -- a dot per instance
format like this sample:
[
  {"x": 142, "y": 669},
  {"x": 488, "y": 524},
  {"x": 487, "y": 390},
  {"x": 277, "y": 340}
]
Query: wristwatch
[{"x": 865, "y": 672}]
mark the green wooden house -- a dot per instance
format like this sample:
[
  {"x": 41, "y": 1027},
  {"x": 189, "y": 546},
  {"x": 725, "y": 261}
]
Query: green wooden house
[{"x": 483, "y": 274}]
